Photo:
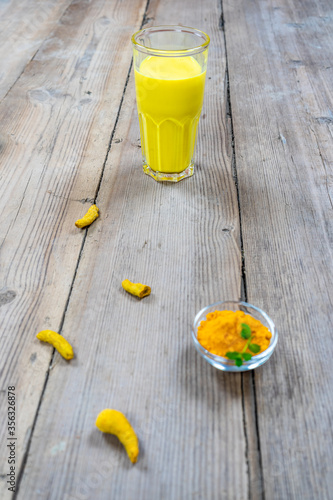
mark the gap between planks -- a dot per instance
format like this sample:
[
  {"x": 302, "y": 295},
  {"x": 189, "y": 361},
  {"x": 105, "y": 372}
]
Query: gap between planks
[
  {"x": 25, "y": 458},
  {"x": 248, "y": 387}
]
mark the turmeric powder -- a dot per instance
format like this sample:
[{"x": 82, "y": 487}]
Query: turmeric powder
[{"x": 220, "y": 333}]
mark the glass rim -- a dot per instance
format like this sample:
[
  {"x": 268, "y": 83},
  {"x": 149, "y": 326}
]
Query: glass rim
[{"x": 167, "y": 52}]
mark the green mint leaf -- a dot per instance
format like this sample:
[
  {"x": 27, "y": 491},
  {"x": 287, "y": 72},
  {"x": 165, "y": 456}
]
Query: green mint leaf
[
  {"x": 238, "y": 361},
  {"x": 254, "y": 348},
  {"x": 246, "y": 356},
  {"x": 232, "y": 355},
  {"x": 246, "y": 331}
]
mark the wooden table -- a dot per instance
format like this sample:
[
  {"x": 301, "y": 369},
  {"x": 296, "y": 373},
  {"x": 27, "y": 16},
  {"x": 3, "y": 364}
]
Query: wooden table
[{"x": 255, "y": 222}]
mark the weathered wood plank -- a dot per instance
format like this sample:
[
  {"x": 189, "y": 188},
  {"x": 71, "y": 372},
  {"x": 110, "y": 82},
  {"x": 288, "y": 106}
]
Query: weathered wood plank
[
  {"x": 137, "y": 357},
  {"x": 279, "y": 57},
  {"x": 56, "y": 124},
  {"x": 23, "y": 27}
]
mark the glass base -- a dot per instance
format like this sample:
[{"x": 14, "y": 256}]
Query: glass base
[{"x": 172, "y": 177}]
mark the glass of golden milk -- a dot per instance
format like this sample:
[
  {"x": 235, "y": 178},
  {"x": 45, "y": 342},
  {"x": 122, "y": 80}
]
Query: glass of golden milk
[{"x": 170, "y": 70}]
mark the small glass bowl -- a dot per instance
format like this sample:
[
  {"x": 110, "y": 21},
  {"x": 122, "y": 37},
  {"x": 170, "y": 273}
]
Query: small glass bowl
[{"x": 226, "y": 364}]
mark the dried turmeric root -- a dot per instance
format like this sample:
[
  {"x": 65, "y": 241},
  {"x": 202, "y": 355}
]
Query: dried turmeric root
[
  {"x": 90, "y": 216},
  {"x": 136, "y": 289},
  {"x": 58, "y": 341},
  {"x": 115, "y": 422}
]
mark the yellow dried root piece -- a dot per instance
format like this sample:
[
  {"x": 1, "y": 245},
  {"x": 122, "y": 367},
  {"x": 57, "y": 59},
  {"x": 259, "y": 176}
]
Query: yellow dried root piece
[
  {"x": 90, "y": 216},
  {"x": 58, "y": 341},
  {"x": 115, "y": 422},
  {"x": 136, "y": 288}
]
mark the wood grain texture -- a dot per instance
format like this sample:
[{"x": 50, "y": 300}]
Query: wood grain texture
[
  {"x": 23, "y": 27},
  {"x": 57, "y": 122},
  {"x": 137, "y": 356},
  {"x": 279, "y": 57}
]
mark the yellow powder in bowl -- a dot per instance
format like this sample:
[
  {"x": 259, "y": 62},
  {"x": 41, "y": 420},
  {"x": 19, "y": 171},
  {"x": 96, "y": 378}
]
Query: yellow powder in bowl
[{"x": 220, "y": 332}]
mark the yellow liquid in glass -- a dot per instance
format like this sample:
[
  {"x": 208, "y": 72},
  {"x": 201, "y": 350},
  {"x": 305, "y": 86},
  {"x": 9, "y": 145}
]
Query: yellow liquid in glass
[{"x": 170, "y": 94}]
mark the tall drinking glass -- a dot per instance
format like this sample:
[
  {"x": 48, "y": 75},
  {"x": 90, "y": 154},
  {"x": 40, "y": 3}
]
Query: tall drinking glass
[{"x": 170, "y": 69}]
